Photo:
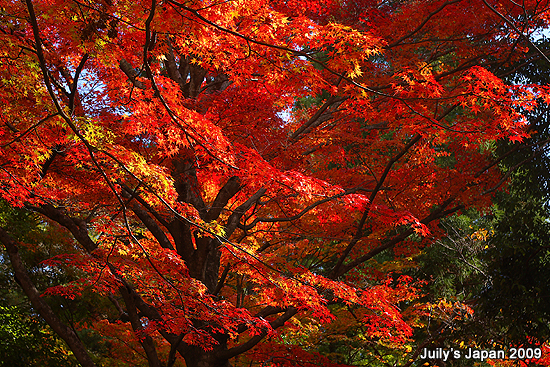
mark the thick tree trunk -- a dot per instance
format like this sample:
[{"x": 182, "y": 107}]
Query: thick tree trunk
[{"x": 197, "y": 357}]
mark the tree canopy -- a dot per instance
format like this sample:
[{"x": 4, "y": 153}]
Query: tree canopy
[{"x": 226, "y": 183}]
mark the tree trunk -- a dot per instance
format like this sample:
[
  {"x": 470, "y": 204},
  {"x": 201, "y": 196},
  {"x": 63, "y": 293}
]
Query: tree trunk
[{"x": 198, "y": 357}]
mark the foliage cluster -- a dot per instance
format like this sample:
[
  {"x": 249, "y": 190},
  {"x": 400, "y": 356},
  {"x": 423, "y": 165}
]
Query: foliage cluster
[{"x": 272, "y": 183}]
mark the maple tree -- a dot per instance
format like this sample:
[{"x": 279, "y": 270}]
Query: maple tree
[{"x": 241, "y": 177}]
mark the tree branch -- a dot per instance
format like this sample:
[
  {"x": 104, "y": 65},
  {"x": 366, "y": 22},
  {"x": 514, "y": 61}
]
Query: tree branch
[
  {"x": 144, "y": 339},
  {"x": 313, "y": 121},
  {"x": 171, "y": 66},
  {"x": 304, "y": 211},
  {"x": 76, "y": 226},
  {"x": 230, "y": 189},
  {"x": 421, "y": 25},
  {"x": 65, "y": 332},
  {"x": 520, "y": 33},
  {"x": 234, "y": 218},
  {"x": 74, "y": 85},
  {"x": 439, "y": 213},
  {"x": 359, "y": 233},
  {"x": 128, "y": 69},
  {"x": 147, "y": 220},
  {"x": 278, "y": 322}
]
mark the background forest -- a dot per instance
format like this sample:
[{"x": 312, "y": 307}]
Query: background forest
[{"x": 276, "y": 183}]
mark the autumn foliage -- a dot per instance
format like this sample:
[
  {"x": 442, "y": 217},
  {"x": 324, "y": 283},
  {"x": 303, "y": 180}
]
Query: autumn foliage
[{"x": 238, "y": 176}]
